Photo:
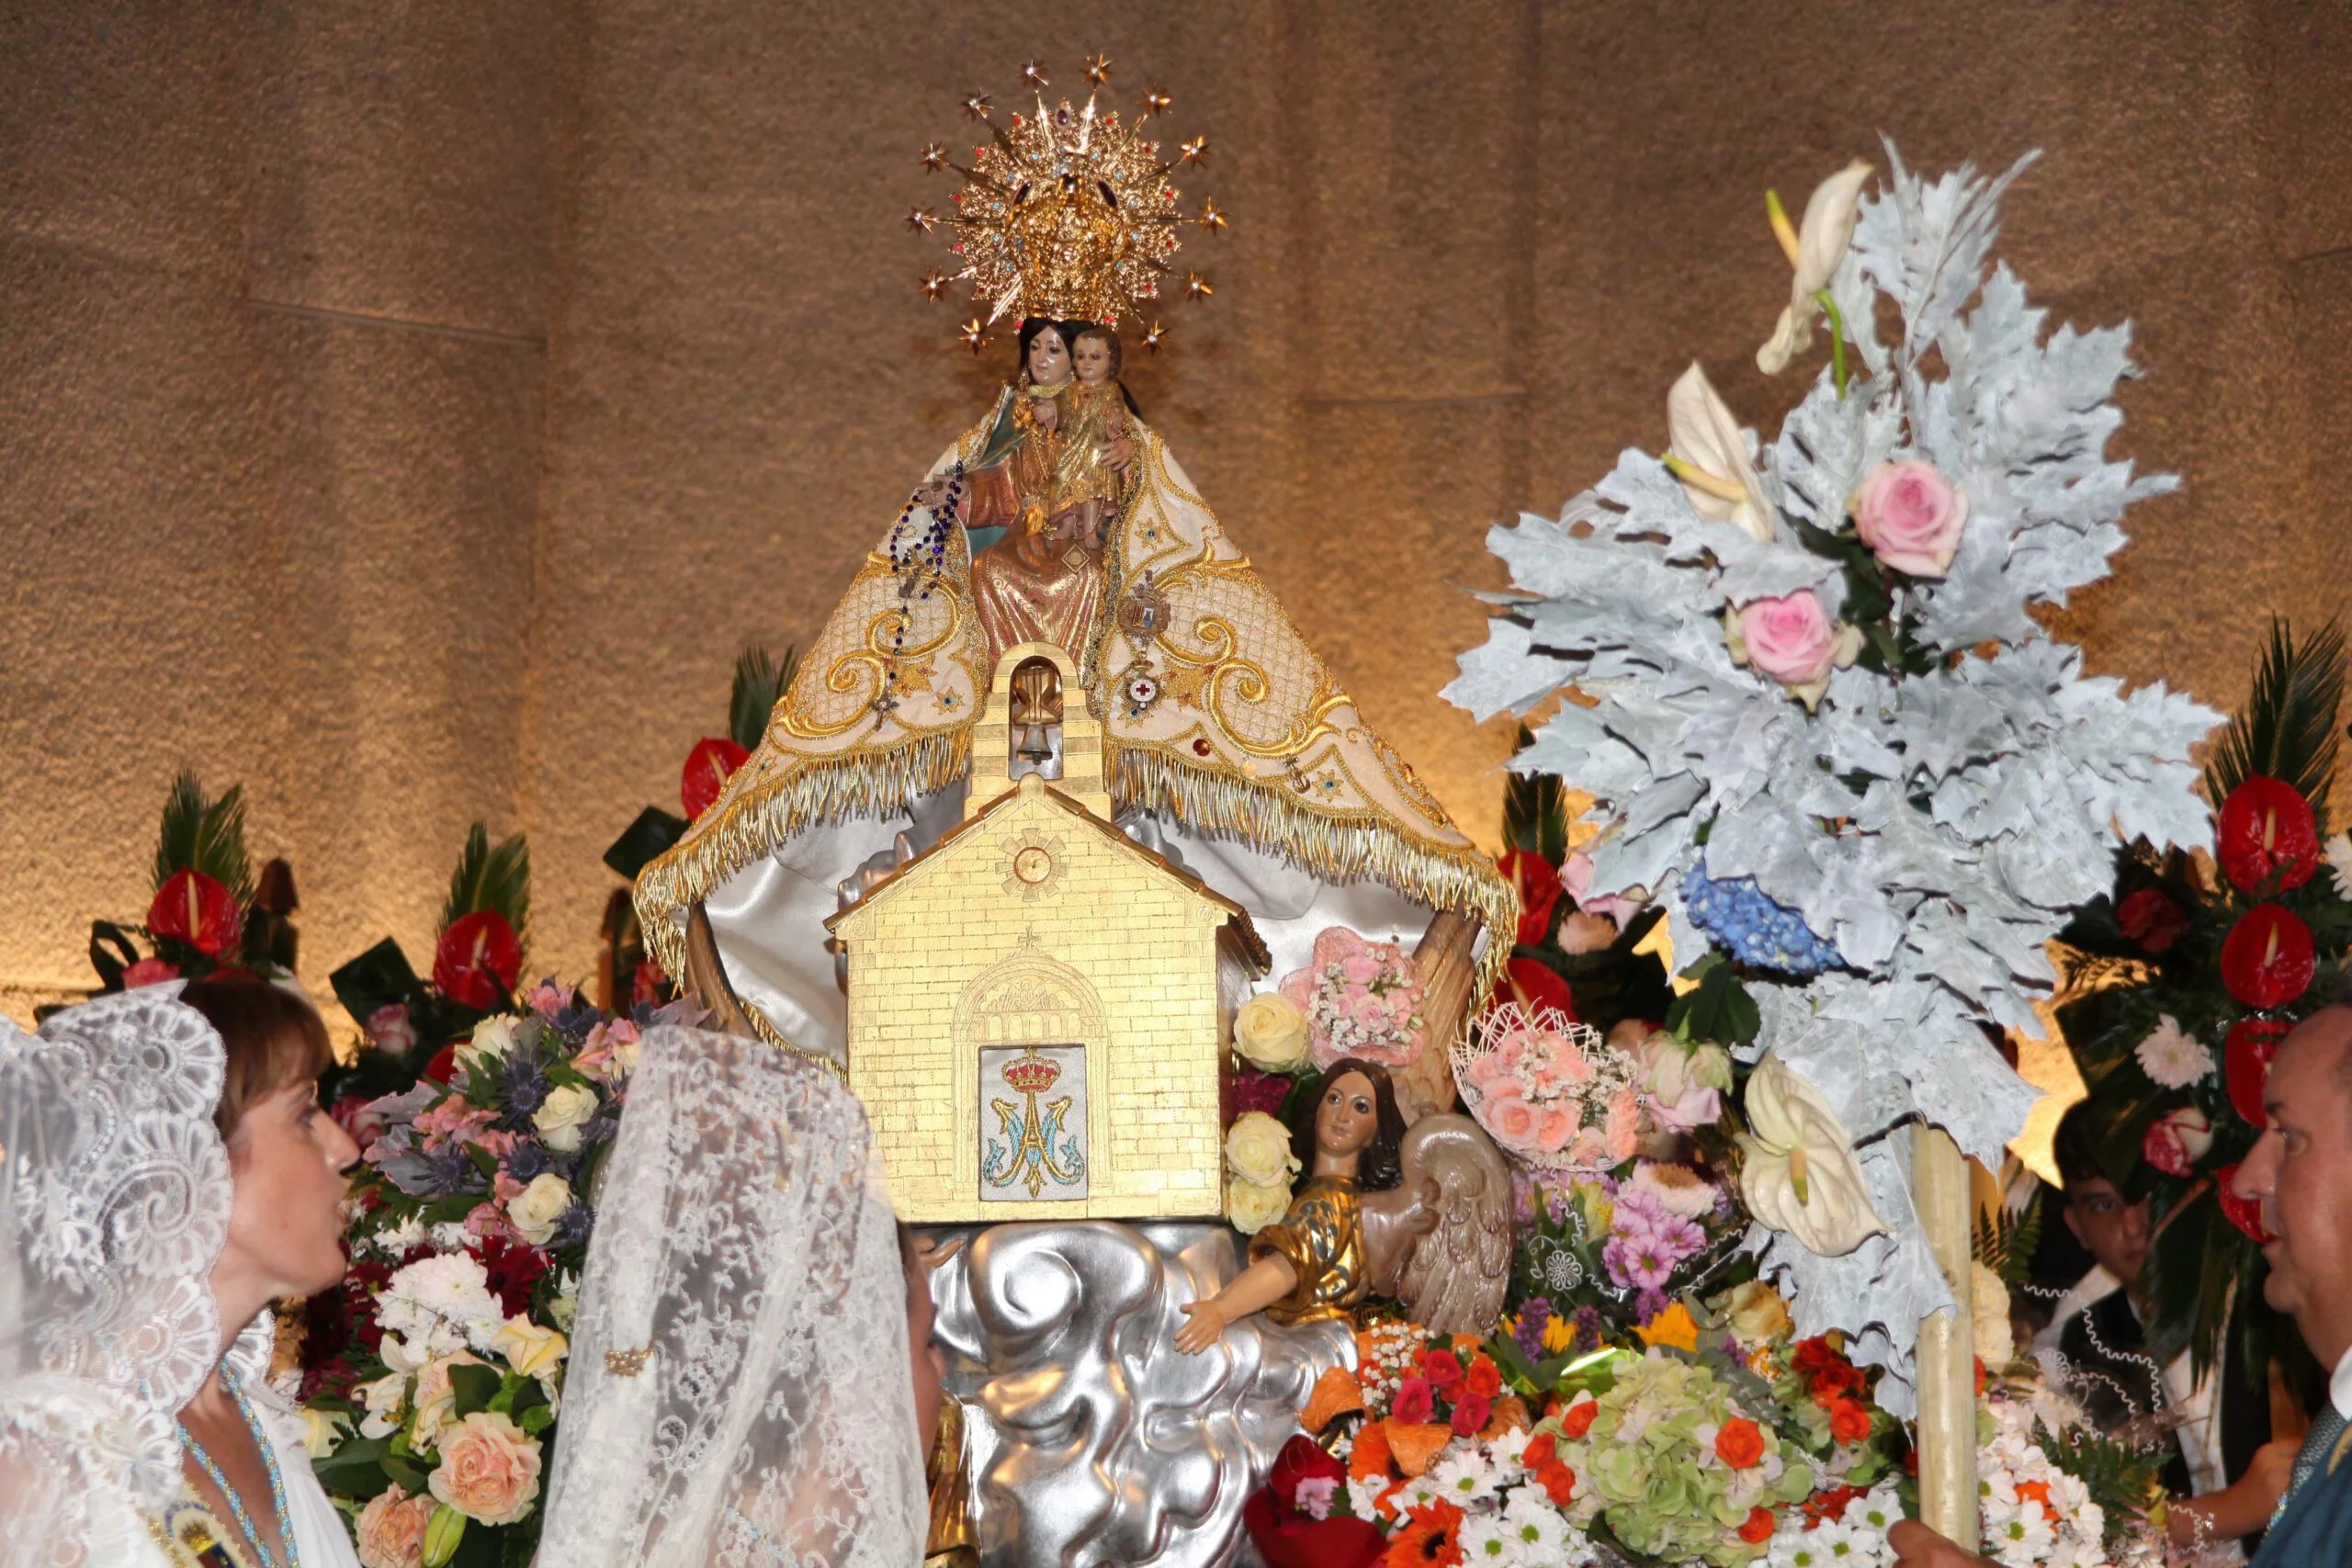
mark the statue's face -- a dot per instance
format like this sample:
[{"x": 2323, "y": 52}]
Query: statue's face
[
  {"x": 1048, "y": 358},
  {"x": 1349, "y": 1116},
  {"x": 1092, "y": 358}
]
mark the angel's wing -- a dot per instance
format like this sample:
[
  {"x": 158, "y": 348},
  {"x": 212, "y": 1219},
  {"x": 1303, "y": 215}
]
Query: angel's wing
[{"x": 1454, "y": 1281}]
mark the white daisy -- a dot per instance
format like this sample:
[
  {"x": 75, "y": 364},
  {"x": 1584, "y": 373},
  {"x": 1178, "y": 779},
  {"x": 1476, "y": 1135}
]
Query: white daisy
[
  {"x": 2339, "y": 861},
  {"x": 2173, "y": 1057},
  {"x": 1486, "y": 1539},
  {"x": 1537, "y": 1528},
  {"x": 1465, "y": 1479}
]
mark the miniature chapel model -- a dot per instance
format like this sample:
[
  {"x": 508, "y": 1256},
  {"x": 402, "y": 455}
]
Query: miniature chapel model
[{"x": 1038, "y": 1007}]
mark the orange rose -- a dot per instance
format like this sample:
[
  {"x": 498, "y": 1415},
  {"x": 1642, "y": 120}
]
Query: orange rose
[
  {"x": 1738, "y": 1444},
  {"x": 1543, "y": 1450},
  {"x": 1559, "y": 1482},
  {"x": 391, "y": 1530},
  {"x": 1484, "y": 1379},
  {"x": 1576, "y": 1420},
  {"x": 489, "y": 1470},
  {"x": 1759, "y": 1527},
  {"x": 1848, "y": 1422}
]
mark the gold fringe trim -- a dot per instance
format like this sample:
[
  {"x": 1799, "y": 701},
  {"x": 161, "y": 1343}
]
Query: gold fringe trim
[
  {"x": 861, "y": 781},
  {"x": 1444, "y": 877}
]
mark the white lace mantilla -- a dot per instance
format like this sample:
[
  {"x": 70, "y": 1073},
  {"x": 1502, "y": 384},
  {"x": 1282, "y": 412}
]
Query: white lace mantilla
[{"x": 738, "y": 1391}]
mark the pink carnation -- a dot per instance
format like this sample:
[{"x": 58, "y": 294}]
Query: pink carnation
[{"x": 1910, "y": 516}]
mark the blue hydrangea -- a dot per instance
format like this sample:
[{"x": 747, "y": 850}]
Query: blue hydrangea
[{"x": 1751, "y": 927}]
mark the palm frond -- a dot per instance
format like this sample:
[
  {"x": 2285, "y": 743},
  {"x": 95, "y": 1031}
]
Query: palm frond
[
  {"x": 487, "y": 878},
  {"x": 2287, "y": 728},
  {"x": 760, "y": 684},
  {"x": 207, "y": 835},
  {"x": 1535, "y": 818}
]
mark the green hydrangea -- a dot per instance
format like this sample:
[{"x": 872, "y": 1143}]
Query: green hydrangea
[{"x": 1649, "y": 1468}]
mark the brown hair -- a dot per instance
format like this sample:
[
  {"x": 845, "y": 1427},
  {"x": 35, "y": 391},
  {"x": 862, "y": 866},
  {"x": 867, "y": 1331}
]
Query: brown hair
[
  {"x": 1379, "y": 1167},
  {"x": 273, "y": 1038}
]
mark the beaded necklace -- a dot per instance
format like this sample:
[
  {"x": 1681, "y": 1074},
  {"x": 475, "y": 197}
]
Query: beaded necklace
[{"x": 261, "y": 1554}]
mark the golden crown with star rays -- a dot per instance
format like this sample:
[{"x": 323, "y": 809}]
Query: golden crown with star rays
[{"x": 1067, "y": 213}]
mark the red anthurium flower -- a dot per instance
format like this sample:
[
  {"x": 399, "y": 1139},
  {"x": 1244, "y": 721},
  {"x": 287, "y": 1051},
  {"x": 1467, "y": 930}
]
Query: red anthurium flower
[
  {"x": 2243, "y": 1212},
  {"x": 195, "y": 908},
  {"x": 1538, "y": 881},
  {"x": 709, "y": 765},
  {"x": 1536, "y": 984},
  {"x": 2152, "y": 919},
  {"x": 2267, "y": 960},
  {"x": 2245, "y": 1064},
  {"x": 2267, "y": 840},
  {"x": 478, "y": 960}
]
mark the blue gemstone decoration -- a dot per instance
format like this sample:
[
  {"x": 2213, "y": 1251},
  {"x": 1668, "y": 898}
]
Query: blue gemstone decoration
[{"x": 1752, "y": 928}]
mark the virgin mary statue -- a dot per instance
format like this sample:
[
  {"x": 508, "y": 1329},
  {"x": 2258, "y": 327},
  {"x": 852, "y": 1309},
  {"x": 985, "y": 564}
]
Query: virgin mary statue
[{"x": 1062, "y": 519}]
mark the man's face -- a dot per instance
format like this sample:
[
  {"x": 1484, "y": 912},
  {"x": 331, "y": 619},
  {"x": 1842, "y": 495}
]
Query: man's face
[
  {"x": 2300, "y": 1172},
  {"x": 2115, "y": 1232}
]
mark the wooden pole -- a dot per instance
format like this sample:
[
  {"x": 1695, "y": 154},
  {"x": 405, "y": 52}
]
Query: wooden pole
[{"x": 1946, "y": 1360}]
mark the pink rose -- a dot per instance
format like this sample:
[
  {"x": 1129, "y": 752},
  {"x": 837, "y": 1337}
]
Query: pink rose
[
  {"x": 149, "y": 972},
  {"x": 1910, "y": 516},
  {"x": 391, "y": 1530},
  {"x": 1624, "y": 1125},
  {"x": 2177, "y": 1141},
  {"x": 1360, "y": 968},
  {"x": 1511, "y": 1118},
  {"x": 1590, "y": 1151},
  {"x": 1559, "y": 1126},
  {"x": 392, "y": 1030},
  {"x": 1789, "y": 639},
  {"x": 1414, "y": 1402},
  {"x": 489, "y": 1470},
  {"x": 1486, "y": 1070}
]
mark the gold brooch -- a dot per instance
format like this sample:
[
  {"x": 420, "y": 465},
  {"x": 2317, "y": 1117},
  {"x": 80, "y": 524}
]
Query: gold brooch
[{"x": 627, "y": 1363}]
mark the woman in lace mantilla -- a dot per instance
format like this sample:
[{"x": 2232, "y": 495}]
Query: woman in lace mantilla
[{"x": 169, "y": 1174}]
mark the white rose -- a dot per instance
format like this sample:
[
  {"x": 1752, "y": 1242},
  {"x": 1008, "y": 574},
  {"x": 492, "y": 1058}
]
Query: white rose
[
  {"x": 562, "y": 1114},
  {"x": 1251, "y": 1206},
  {"x": 1271, "y": 1032},
  {"x": 1257, "y": 1150},
  {"x": 536, "y": 1209},
  {"x": 494, "y": 1037}
]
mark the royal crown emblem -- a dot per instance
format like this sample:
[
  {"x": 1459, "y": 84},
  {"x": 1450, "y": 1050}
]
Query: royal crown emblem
[{"x": 1067, "y": 213}]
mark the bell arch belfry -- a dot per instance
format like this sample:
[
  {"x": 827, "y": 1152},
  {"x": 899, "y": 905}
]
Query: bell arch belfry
[{"x": 1039, "y": 1007}]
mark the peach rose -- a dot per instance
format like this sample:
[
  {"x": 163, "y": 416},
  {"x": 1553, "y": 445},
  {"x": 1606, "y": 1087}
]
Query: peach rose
[
  {"x": 1624, "y": 1125},
  {"x": 391, "y": 1530},
  {"x": 1559, "y": 1126},
  {"x": 1910, "y": 516},
  {"x": 489, "y": 1470},
  {"x": 1511, "y": 1118}
]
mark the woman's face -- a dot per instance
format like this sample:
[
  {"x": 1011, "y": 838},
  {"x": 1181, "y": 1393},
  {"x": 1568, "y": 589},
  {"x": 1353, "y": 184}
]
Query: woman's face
[
  {"x": 1048, "y": 358},
  {"x": 1349, "y": 1116},
  {"x": 1092, "y": 358},
  {"x": 285, "y": 1219}
]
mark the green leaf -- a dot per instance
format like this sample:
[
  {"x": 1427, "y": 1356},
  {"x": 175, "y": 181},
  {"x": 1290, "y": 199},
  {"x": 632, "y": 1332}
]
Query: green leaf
[
  {"x": 537, "y": 1419},
  {"x": 472, "y": 1388},
  {"x": 405, "y": 1473},
  {"x": 651, "y": 834},
  {"x": 1535, "y": 816},
  {"x": 2006, "y": 1242},
  {"x": 1719, "y": 1009},
  {"x": 497, "y": 879},
  {"x": 760, "y": 684},
  {"x": 2287, "y": 728},
  {"x": 356, "y": 1467},
  {"x": 207, "y": 836}
]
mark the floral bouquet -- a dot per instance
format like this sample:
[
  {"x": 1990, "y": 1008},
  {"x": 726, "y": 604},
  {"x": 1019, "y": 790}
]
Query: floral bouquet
[
  {"x": 1360, "y": 999},
  {"x": 1600, "y": 1256},
  {"x": 1548, "y": 1090},
  {"x": 438, "y": 1362}
]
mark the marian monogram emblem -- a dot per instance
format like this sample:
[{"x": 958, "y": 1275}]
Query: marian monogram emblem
[{"x": 1036, "y": 1098}]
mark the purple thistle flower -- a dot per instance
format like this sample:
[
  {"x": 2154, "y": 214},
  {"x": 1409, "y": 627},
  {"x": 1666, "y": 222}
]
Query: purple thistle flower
[
  {"x": 526, "y": 1088},
  {"x": 526, "y": 1161}
]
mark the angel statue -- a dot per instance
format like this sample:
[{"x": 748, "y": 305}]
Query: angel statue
[
  {"x": 1062, "y": 518},
  {"x": 1421, "y": 1216}
]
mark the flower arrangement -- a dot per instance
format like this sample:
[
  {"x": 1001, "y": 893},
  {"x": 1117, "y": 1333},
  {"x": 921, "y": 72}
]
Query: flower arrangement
[
  {"x": 1549, "y": 1091},
  {"x": 209, "y": 911},
  {"x": 1600, "y": 1257},
  {"x": 1359, "y": 998},
  {"x": 2181, "y": 985},
  {"x": 439, "y": 1359},
  {"x": 1821, "y": 727}
]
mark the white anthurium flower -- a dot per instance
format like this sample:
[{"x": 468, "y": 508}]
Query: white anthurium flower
[
  {"x": 1800, "y": 1174},
  {"x": 1814, "y": 249},
  {"x": 1708, "y": 453}
]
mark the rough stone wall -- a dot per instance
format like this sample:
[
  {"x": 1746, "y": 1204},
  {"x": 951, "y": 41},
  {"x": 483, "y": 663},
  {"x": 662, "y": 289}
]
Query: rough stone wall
[{"x": 408, "y": 409}]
